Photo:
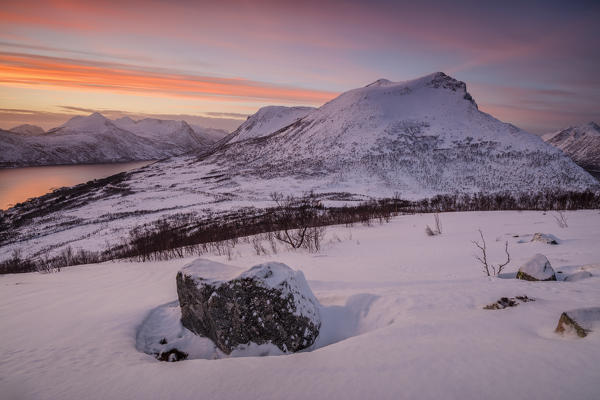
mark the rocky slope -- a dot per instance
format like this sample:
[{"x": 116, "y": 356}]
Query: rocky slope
[{"x": 581, "y": 143}]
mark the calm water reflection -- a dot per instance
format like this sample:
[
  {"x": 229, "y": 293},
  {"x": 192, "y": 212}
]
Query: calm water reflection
[{"x": 19, "y": 184}]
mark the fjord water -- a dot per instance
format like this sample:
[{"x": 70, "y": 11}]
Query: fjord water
[{"x": 20, "y": 184}]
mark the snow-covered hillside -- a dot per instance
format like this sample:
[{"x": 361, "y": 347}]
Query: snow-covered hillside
[
  {"x": 96, "y": 139},
  {"x": 414, "y": 139},
  {"x": 402, "y": 314},
  {"x": 268, "y": 120},
  {"x": 581, "y": 143}
]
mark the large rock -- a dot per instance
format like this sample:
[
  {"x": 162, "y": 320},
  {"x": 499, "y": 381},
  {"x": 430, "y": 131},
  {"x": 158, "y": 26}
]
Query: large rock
[
  {"x": 538, "y": 268},
  {"x": 269, "y": 303},
  {"x": 579, "y": 321}
]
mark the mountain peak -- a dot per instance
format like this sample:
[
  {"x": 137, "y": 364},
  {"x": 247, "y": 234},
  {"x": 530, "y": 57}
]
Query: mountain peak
[
  {"x": 593, "y": 125},
  {"x": 380, "y": 82},
  {"x": 28, "y": 130},
  {"x": 125, "y": 120},
  {"x": 92, "y": 122}
]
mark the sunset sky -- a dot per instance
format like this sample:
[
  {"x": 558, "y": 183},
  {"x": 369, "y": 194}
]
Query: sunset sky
[{"x": 536, "y": 65}]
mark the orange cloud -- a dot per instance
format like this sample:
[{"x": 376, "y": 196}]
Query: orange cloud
[{"x": 19, "y": 69}]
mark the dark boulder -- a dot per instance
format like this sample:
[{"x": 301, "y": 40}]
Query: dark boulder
[{"x": 269, "y": 303}]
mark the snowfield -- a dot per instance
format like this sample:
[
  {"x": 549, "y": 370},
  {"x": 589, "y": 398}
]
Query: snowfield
[{"x": 403, "y": 318}]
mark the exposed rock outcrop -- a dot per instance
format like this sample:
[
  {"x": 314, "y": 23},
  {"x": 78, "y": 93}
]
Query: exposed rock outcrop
[{"x": 269, "y": 303}]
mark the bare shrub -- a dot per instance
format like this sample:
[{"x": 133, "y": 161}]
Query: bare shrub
[
  {"x": 257, "y": 245},
  {"x": 490, "y": 269},
  {"x": 437, "y": 230},
  {"x": 561, "y": 219},
  {"x": 297, "y": 218}
]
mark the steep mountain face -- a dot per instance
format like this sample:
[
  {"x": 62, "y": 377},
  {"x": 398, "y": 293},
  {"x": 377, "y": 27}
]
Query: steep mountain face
[
  {"x": 581, "y": 143},
  {"x": 268, "y": 120},
  {"x": 96, "y": 139},
  {"x": 27, "y": 130},
  {"x": 414, "y": 139}
]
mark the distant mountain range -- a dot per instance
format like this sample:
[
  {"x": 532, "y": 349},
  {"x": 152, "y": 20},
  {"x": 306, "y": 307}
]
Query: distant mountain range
[
  {"x": 413, "y": 139},
  {"x": 97, "y": 139},
  {"x": 581, "y": 143}
]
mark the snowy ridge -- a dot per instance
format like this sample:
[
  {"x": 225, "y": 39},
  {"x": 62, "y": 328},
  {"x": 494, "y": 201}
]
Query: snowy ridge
[
  {"x": 95, "y": 139},
  {"x": 581, "y": 143},
  {"x": 268, "y": 120}
]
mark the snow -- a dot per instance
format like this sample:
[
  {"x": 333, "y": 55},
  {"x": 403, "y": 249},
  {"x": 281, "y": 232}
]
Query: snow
[
  {"x": 538, "y": 267},
  {"x": 402, "y": 318},
  {"x": 268, "y": 120}
]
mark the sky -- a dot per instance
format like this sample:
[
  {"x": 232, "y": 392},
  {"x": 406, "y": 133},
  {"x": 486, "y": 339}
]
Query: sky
[{"x": 535, "y": 64}]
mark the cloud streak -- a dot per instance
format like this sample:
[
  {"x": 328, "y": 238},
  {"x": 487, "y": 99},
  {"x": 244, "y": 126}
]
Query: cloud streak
[{"x": 33, "y": 70}]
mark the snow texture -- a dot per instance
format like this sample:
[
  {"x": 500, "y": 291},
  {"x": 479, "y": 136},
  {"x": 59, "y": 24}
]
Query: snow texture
[{"x": 402, "y": 317}]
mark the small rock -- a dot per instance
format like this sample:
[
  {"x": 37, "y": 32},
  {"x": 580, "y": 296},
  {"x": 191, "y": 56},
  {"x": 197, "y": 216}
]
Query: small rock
[
  {"x": 545, "y": 238},
  {"x": 579, "y": 321},
  {"x": 506, "y": 302},
  {"x": 172, "y": 355},
  {"x": 538, "y": 268}
]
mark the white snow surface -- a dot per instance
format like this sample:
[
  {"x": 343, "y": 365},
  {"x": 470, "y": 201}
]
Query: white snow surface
[
  {"x": 402, "y": 317},
  {"x": 538, "y": 267}
]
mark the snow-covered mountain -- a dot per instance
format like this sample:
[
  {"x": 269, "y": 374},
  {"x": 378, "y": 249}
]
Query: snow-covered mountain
[
  {"x": 581, "y": 143},
  {"x": 172, "y": 134},
  {"x": 414, "y": 139},
  {"x": 418, "y": 137},
  {"x": 28, "y": 130},
  {"x": 268, "y": 120},
  {"x": 95, "y": 139}
]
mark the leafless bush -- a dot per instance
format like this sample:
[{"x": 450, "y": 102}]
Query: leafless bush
[
  {"x": 490, "y": 269},
  {"x": 561, "y": 219},
  {"x": 437, "y": 230},
  {"x": 257, "y": 245},
  {"x": 297, "y": 220}
]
